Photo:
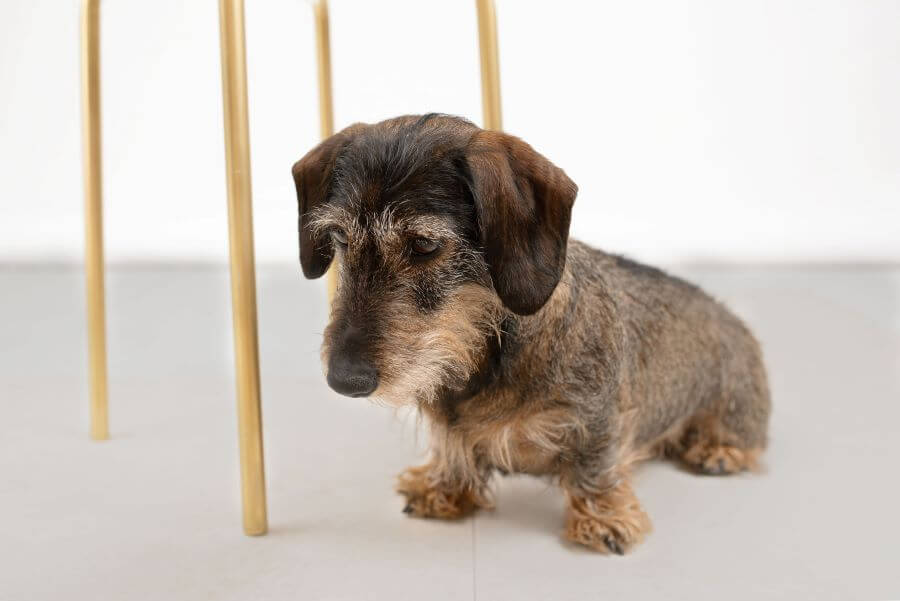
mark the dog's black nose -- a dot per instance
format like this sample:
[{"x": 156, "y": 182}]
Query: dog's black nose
[{"x": 351, "y": 375}]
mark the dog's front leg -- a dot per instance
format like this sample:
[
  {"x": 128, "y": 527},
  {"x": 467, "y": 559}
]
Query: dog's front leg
[
  {"x": 608, "y": 521},
  {"x": 431, "y": 493}
]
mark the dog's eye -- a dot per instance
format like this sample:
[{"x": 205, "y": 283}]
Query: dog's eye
[
  {"x": 339, "y": 236},
  {"x": 424, "y": 246}
]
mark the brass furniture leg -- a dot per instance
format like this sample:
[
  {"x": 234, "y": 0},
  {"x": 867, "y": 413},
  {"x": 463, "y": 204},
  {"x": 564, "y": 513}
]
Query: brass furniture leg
[
  {"x": 323, "y": 60},
  {"x": 326, "y": 104},
  {"x": 93, "y": 208},
  {"x": 243, "y": 279},
  {"x": 490, "y": 64}
]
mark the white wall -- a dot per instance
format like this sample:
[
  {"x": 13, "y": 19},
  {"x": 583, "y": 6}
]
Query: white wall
[{"x": 727, "y": 130}]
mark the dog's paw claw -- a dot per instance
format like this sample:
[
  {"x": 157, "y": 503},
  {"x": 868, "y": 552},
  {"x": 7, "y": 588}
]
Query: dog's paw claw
[
  {"x": 613, "y": 545},
  {"x": 408, "y": 509}
]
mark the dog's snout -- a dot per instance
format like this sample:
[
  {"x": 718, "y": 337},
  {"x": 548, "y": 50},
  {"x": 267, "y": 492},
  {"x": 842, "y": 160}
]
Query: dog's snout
[
  {"x": 352, "y": 375},
  {"x": 349, "y": 371}
]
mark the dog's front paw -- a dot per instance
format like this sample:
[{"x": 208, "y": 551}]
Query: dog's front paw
[
  {"x": 438, "y": 504},
  {"x": 608, "y": 535},
  {"x": 424, "y": 499},
  {"x": 609, "y": 523}
]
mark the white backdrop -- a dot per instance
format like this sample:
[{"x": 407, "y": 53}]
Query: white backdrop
[{"x": 723, "y": 130}]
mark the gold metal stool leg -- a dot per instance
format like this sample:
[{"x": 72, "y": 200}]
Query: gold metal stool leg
[
  {"x": 326, "y": 104},
  {"x": 490, "y": 64},
  {"x": 243, "y": 279},
  {"x": 323, "y": 60},
  {"x": 93, "y": 208}
]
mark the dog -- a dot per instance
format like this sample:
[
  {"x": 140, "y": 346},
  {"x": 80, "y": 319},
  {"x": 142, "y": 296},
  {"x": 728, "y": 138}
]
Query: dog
[{"x": 459, "y": 292}]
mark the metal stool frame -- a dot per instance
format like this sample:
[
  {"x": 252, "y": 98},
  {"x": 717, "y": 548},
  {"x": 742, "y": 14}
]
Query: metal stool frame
[{"x": 240, "y": 217}]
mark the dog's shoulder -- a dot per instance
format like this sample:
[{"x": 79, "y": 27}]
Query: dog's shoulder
[{"x": 620, "y": 270}]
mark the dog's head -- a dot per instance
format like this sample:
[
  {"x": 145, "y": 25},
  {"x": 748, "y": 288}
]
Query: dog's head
[{"x": 439, "y": 229}]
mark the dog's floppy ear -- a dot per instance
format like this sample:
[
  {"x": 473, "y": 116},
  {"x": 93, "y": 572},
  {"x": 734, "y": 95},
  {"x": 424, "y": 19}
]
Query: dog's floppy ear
[
  {"x": 523, "y": 204},
  {"x": 312, "y": 177}
]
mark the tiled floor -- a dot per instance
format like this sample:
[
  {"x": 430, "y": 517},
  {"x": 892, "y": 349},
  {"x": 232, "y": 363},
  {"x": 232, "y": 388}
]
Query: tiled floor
[{"x": 154, "y": 513}]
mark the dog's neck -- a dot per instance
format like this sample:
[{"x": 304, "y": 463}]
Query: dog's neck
[
  {"x": 504, "y": 356},
  {"x": 487, "y": 374}
]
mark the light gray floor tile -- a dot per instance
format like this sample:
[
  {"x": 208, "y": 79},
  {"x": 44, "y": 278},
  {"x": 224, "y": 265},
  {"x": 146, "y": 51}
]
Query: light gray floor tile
[{"x": 154, "y": 513}]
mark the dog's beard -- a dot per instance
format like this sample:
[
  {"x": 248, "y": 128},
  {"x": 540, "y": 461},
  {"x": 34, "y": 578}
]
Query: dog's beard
[{"x": 426, "y": 354}]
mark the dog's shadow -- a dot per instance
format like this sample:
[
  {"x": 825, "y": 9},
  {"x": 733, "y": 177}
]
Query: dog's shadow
[{"x": 526, "y": 503}]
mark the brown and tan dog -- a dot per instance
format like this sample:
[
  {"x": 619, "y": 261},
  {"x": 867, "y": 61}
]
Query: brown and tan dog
[{"x": 460, "y": 293}]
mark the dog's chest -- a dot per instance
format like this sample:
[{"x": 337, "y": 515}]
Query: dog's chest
[{"x": 531, "y": 443}]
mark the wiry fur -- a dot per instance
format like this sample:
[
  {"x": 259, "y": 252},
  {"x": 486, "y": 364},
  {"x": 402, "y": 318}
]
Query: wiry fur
[
  {"x": 613, "y": 363},
  {"x": 423, "y": 355}
]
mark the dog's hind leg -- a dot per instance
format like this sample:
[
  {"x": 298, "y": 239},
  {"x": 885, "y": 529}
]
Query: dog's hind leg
[
  {"x": 728, "y": 436},
  {"x": 705, "y": 453},
  {"x": 729, "y": 432}
]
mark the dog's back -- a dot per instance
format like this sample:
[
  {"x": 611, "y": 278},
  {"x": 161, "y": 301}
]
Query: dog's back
[{"x": 686, "y": 357}]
